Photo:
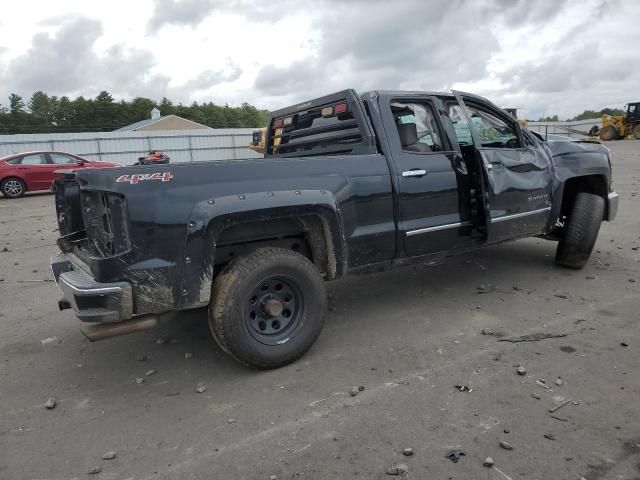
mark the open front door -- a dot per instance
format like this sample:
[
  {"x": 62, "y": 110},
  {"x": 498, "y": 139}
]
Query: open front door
[
  {"x": 481, "y": 212},
  {"x": 516, "y": 172}
]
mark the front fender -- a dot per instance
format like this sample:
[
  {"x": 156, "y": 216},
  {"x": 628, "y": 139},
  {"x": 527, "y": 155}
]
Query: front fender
[
  {"x": 209, "y": 218},
  {"x": 573, "y": 160}
]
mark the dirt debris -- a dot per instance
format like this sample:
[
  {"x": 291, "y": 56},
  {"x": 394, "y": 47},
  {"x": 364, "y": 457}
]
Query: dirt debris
[
  {"x": 201, "y": 388},
  {"x": 558, "y": 406},
  {"x": 398, "y": 469},
  {"x": 535, "y": 337},
  {"x": 505, "y": 445},
  {"x": 455, "y": 455},
  {"x": 463, "y": 388}
]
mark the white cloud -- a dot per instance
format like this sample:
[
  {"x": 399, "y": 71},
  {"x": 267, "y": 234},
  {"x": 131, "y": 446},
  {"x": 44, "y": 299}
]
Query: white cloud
[{"x": 545, "y": 57}]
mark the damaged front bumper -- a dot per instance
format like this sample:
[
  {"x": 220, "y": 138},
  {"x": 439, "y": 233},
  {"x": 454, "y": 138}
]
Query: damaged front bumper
[{"x": 90, "y": 300}]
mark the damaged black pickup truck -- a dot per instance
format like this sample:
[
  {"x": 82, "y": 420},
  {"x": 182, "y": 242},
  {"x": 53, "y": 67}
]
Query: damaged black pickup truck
[{"x": 348, "y": 183}]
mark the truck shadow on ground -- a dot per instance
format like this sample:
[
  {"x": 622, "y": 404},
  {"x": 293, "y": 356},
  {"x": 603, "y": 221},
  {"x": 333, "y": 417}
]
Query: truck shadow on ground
[{"x": 368, "y": 299}]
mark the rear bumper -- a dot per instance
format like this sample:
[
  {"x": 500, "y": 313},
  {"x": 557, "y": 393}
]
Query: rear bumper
[
  {"x": 612, "y": 205},
  {"x": 91, "y": 301}
]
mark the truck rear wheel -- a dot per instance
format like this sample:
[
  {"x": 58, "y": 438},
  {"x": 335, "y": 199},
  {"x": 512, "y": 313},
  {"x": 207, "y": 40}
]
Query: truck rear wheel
[
  {"x": 609, "y": 132},
  {"x": 267, "y": 308},
  {"x": 636, "y": 131},
  {"x": 581, "y": 231}
]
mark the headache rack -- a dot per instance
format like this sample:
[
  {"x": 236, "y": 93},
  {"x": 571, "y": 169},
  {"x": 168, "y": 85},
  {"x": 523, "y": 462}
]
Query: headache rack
[{"x": 331, "y": 125}]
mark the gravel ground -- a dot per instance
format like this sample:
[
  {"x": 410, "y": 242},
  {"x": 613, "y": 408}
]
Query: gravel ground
[{"x": 407, "y": 336}]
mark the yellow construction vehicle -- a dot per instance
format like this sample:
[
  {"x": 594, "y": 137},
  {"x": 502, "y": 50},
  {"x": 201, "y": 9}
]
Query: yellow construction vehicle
[
  {"x": 257, "y": 143},
  {"x": 616, "y": 127},
  {"x": 514, "y": 113}
]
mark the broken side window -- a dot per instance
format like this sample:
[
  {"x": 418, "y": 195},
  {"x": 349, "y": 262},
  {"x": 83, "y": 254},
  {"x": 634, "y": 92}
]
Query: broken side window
[
  {"x": 417, "y": 127},
  {"x": 460, "y": 124},
  {"x": 493, "y": 131}
]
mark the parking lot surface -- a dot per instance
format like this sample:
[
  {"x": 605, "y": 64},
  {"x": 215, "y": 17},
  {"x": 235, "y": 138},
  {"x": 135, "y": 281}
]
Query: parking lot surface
[{"x": 406, "y": 337}]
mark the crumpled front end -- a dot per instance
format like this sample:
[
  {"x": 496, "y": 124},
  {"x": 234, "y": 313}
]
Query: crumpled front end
[{"x": 574, "y": 159}]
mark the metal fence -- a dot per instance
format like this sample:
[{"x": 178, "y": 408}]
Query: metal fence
[
  {"x": 575, "y": 129},
  {"x": 189, "y": 145},
  {"x": 126, "y": 147}
]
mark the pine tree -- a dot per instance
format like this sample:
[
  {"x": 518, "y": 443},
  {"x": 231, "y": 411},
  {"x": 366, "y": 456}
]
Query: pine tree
[{"x": 16, "y": 104}]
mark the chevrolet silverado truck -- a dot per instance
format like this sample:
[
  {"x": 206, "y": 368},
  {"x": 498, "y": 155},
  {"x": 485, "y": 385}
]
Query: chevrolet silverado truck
[{"x": 348, "y": 183}]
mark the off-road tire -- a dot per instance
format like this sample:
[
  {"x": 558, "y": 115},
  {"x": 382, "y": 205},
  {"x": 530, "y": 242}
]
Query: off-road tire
[
  {"x": 234, "y": 287},
  {"x": 636, "y": 131},
  {"x": 581, "y": 231},
  {"x": 608, "y": 133},
  {"x": 8, "y": 192}
]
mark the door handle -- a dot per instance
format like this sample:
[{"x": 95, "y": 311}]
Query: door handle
[{"x": 414, "y": 172}]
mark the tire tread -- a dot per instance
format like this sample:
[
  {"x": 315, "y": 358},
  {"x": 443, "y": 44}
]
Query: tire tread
[
  {"x": 581, "y": 231},
  {"x": 227, "y": 283}
]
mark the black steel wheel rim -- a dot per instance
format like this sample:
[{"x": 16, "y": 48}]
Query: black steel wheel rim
[{"x": 274, "y": 309}]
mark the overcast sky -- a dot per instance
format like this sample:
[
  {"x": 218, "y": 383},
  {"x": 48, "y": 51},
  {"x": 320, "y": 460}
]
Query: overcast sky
[{"x": 542, "y": 56}]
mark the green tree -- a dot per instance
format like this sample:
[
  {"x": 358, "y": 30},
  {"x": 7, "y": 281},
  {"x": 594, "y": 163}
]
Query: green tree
[
  {"x": 105, "y": 109},
  {"x": 16, "y": 103},
  {"x": 166, "y": 107},
  {"x": 214, "y": 117},
  {"x": 63, "y": 112},
  {"x": 49, "y": 113},
  {"x": 589, "y": 114},
  {"x": 232, "y": 116},
  {"x": 41, "y": 108},
  {"x": 140, "y": 108}
]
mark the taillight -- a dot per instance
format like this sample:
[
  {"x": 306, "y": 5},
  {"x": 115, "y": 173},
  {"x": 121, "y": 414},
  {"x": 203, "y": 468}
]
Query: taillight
[
  {"x": 340, "y": 108},
  {"x": 327, "y": 111}
]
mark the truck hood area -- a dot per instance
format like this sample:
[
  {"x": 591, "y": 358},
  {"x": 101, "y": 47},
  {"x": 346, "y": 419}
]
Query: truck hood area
[{"x": 566, "y": 145}]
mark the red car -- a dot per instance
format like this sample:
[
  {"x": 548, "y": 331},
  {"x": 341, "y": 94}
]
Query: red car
[{"x": 29, "y": 171}]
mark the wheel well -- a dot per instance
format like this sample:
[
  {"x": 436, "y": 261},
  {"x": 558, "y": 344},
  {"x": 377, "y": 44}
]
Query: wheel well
[
  {"x": 595, "y": 184},
  {"x": 16, "y": 177},
  {"x": 307, "y": 235}
]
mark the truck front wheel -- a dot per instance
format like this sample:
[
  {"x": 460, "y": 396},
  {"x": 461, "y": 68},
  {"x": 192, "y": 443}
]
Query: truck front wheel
[
  {"x": 581, "y": 231},
  {"x": 267, "y": 308}
]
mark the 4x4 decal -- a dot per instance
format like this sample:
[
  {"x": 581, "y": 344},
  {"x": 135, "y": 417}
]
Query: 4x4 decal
[{"x": 140, "y": 177}]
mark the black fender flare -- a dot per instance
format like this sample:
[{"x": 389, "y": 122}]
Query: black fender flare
[
  {"x": 210, "y": 217},
  {"x": 558, "y": 193}
]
